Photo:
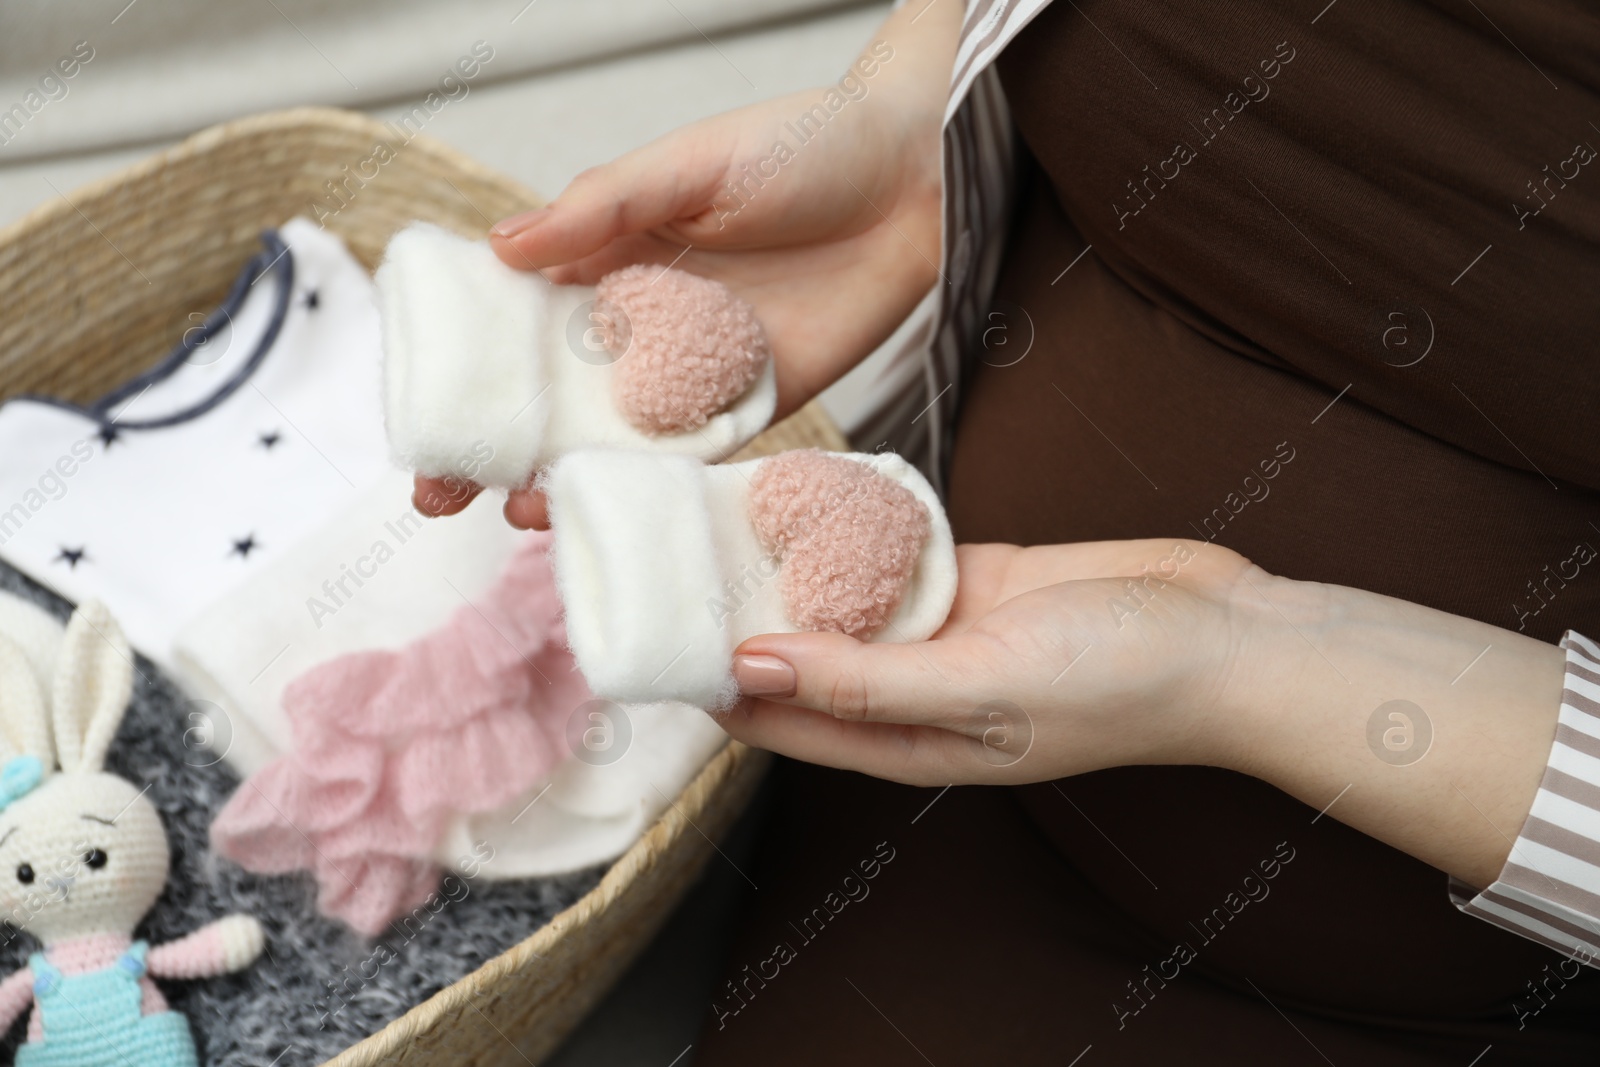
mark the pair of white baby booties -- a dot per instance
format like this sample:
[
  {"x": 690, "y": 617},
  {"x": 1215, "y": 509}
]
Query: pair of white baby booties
[{"x": 622, "y": 398}]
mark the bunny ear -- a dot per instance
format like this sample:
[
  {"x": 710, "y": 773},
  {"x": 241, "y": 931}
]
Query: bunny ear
[
  {"x": 94, "y": 678},
  {"x": 24, "y": 722}
]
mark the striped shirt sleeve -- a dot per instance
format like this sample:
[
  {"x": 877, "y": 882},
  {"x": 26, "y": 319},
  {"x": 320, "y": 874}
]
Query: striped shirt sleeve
[
  {"x": 1549, "y": 889},
  {"x": 911, "y": 408}
]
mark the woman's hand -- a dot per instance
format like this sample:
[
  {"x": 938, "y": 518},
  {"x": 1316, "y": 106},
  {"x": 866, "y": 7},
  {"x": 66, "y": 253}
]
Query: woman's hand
[
  {"x": 825, "y": 218},
  {"x": 1055, "y": 660},
  {"x": 1425, "y": 730}
]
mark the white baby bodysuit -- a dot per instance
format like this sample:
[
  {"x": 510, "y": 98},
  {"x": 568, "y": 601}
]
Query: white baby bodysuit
[{"x": 180, "y": 484}]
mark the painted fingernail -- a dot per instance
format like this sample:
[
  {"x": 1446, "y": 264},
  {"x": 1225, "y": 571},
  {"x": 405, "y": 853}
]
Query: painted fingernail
[
  {"x": 763, "y": 676},
  {"x": 509, "y": 228}
]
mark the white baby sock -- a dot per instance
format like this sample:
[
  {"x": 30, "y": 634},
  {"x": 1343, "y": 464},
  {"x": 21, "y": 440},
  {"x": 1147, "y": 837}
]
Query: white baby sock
[
  {"x": 665, "y": 565},
  {"x": 491, "y": 373}
]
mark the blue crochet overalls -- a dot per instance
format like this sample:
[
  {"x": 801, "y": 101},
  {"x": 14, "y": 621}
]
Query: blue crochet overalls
[{"x": 93, "y": 1020}]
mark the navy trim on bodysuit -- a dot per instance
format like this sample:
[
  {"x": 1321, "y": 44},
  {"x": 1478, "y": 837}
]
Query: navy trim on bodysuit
[{"x": 274, "y": 257}]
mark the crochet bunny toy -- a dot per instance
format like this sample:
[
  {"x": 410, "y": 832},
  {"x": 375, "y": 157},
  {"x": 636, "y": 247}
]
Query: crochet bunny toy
[{"x": 83, "y": 856}]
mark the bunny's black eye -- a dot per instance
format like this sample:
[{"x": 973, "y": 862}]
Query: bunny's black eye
[
  {"x": 25, "y": 874},
  {"x": 95, "y": 858}
]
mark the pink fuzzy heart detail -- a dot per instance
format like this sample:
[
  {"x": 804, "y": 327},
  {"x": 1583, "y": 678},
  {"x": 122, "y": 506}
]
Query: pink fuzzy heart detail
[
  {"x": 688, "y": 347},
  {"x": 847, "y": 536}
]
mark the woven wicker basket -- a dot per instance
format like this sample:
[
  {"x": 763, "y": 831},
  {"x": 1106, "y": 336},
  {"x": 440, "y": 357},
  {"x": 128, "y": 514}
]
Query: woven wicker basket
[{"x": 97, "y": 286}]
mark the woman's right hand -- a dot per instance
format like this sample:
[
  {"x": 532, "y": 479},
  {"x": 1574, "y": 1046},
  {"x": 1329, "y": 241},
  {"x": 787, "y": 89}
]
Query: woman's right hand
[{"x": 832, "y": 239}]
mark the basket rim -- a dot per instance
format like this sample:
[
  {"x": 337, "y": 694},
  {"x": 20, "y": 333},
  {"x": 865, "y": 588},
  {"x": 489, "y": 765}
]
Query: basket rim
[{"x": 287, "y": 120}]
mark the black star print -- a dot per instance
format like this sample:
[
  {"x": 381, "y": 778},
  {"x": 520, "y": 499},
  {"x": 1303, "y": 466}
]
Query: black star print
[
  {"x": 71, "y": 556},
  {"x": 270, "y": 438},
  {"x": 108, "y": 434},
  {"x": 243, "y": 548},
  {"x": 313, "y": 300}
]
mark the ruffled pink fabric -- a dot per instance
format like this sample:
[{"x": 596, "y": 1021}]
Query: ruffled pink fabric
[{"x": 390, "y": 746}]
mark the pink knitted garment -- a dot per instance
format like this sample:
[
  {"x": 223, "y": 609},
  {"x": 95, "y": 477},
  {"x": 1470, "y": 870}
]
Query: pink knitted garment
[
  {"x": 690, "y": 347},
  {"x": 847, "y": 536},
  {"x": 389, "y": 746}
]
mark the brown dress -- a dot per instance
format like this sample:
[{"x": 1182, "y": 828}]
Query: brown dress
[{"x": 1362, "y": 253}]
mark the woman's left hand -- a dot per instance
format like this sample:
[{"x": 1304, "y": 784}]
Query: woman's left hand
[
  {"x": 1063, "y": 659},
  {"x": 1055, "y": 660}
]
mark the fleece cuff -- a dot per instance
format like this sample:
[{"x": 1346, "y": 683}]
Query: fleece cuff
[{"x": 663, "y": 573}]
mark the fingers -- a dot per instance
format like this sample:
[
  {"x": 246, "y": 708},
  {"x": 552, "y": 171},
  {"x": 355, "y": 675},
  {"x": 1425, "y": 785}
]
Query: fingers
[
  {"x": 915, "y": 755},
  {"x": 526, "y": 510},
  {"x": 649, "y": 187},
  {"x": 915, "y": 713},
  {"x": 924, "y": 684},
  {"x": 442, "y": 496},
  {"x": 623, "y": 252}
]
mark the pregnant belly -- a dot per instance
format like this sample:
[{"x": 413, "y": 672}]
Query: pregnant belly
[{"x": 1121, "y": 421}]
